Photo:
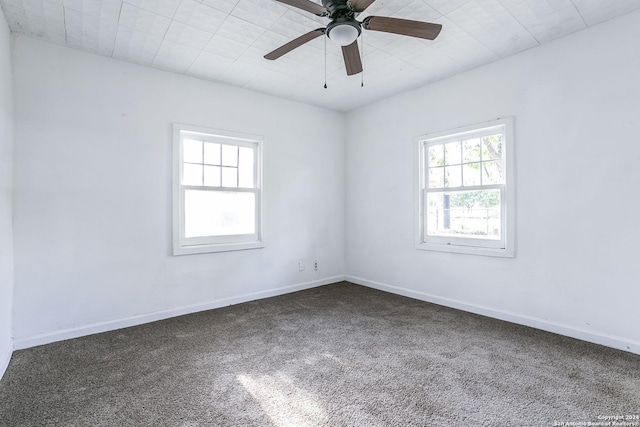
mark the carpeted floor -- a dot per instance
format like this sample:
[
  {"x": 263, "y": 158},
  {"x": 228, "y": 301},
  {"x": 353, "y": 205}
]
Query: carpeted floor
[{"x": 339, "y": 355}]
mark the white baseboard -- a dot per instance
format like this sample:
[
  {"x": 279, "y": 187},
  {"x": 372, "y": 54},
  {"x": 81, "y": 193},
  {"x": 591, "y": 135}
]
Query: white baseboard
[
  {"x": 5, "y": 358},
  {"x": 616, "y": 342},
  {"x": 96, "y": 328}
]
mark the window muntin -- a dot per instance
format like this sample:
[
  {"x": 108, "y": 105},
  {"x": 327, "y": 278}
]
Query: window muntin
[
  {"x": 217, "y": 191},
  {"x": 464, "y": 197}
]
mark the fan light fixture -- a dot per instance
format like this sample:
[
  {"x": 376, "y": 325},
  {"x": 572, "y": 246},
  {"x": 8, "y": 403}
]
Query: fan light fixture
[{"x": 343, "y": 34}]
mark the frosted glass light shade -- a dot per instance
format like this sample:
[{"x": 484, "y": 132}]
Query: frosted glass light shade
[{"x": 343, "y": 35}]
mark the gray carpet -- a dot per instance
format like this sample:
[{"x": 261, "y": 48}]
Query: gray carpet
[{"x": 339, "y": 355}]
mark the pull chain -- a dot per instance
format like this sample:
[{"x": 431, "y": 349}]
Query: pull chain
[
  {"x": 362, "y": 59},
  {"x": 325, "y": 61}
]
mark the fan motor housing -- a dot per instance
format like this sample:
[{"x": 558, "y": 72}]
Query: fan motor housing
[{"x": 338, "y": 9}]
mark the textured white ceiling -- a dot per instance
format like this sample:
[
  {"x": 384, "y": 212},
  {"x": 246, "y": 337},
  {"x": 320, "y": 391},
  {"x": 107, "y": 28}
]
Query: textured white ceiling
[{"x": 225, "y": 40}]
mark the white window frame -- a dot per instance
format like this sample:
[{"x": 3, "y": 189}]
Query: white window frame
[
  {"x": 473, "y": 246},
  {"x": 195, "y": 245}
]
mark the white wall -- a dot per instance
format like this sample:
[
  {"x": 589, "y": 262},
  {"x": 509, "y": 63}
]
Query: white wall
[
  {"x": 577, "y": 111},
  {"x": 93, "y": 194},
  {"x": 6, "y": 173}
]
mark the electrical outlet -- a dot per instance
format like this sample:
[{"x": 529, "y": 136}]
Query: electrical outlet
[
  {"x": 301, "y": 265},
  {"x": 315, "y": 265}
]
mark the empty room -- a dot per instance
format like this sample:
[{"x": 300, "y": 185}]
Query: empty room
[{"x": 319, "y": 213}]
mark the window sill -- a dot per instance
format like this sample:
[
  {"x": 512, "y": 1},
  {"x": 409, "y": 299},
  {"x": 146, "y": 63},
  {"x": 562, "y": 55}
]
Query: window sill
[
  {"x": 469, "y": 250},
  {"x": 219, "y": 247}
]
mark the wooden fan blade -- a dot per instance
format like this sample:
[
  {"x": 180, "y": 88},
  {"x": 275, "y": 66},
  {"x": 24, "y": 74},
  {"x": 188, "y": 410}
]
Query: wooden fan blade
[
  {"x": 359, "y": 5},
  {"x": 284, "y": 49},
  {"x": 352, "y": 60},
  {"x": 307, "y": 5},
  {"x": 405, "y": 27}
]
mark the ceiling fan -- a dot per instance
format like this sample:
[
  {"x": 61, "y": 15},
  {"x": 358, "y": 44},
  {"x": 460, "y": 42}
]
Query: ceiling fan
[{"x": 344, "y": 29}]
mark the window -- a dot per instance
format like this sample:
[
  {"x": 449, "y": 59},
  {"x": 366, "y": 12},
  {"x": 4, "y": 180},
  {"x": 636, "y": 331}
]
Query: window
[
  {"x": 465, "y": 184},
  {"x": 217, "y": 191}
]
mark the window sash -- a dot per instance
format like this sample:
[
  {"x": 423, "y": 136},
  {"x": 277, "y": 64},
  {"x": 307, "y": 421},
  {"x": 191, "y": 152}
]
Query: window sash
[
  {"x": 223, "y": 141},
  {"x": 217, "y": 239},
  {"x": 466, "y": 241},
  {"x": 425, "y": 144}
]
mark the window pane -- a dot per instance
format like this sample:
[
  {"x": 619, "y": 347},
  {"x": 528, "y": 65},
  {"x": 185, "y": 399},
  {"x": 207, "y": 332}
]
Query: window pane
[
  {"x": 453, "y": 153},
  {"x": 471, "y": 174},
  {"x": 436, "y": 155},
  {"x": 192, "y": 151},
  {"x": 492, "y": 147},
  {"x": 492, "y": 173},
  {"x": 436, "y": 213},
  {"x": 246, "y": 166},
  {"x": 229, "y": 155},
  {"x": 219, "y": 213},
  {"x": 212, "y": 176},
  {"x": 230, "y": 177},
  {"x": 471, "y": 150},
  {"x": 211, "y": 153},
  {"x": 453, "y": 176},
  {"x": 470, "y": 214},
  {"x": 191, "y": 174},
  {"x": 436, "y": 177}
]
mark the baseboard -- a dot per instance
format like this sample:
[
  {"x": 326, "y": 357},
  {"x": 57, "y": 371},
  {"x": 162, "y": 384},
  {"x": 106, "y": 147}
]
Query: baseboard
[
  {"x": 5, "y": 358},
  {"x": 96, "y": 328},
  {"x": 616, "y": 342}
]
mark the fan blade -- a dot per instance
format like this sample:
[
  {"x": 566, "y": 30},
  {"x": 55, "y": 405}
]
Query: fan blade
[
  {"x": 284, "y": 49},
  {"x": 307, "y": 5},
  {"x": 359, "y": 5},
  {"x": 405, "y": 27},
  {"x": 352, "y": 60}
]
